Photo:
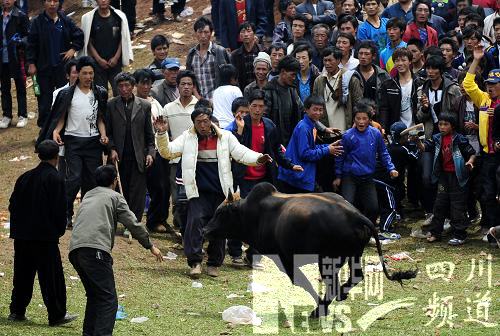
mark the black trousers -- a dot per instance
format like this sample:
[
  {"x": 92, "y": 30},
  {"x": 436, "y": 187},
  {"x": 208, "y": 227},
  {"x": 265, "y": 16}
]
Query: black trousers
[
  {"x": 134, "y": 186},
  {"x": 200, "y": 211},
  {"x": 427, "y": 189},
  {"x": 360, "y": 191},
  {"x": 451, "y": 202},
  {"x": 214, "y": 14},
  {"x": 95, "y": 269},
  {"x": 158, "y": 184},
  {"x": 128, "y": 8},
  {"x": 387, "y": 205},
  {"x": 83, "y": 156},
  {"x": 48, "y": 81},
  {"x": 158, "y": 8},
  {"x": 491, "y": 212},
  {"x": 325, "y": 173},
  {"x": 178, "y": 6},
  {"x": 7, "y": 96},
  {"x": 31, "y": 257},
  {"x": 104, "y": 76}
]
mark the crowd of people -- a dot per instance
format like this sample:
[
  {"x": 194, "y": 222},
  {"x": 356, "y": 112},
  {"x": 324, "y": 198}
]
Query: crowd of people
[{"x": 391, "y": 106}]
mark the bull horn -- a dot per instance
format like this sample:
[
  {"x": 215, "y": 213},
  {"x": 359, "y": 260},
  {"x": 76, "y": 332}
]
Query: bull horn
[{"x": 230, "y": 198}]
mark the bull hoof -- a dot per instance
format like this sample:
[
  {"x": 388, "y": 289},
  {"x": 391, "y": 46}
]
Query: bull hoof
[{"x": 318, "y": 312}]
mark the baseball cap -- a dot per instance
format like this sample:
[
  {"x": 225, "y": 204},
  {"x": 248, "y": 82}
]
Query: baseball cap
[
  {"x": 493, "y": 76},
  {"x": 170, "y": 63}
]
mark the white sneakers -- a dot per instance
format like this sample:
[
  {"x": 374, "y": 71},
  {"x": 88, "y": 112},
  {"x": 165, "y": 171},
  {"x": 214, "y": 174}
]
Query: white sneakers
[
  {"x": 21, "y": 122},
  {"x": 5, "y": 122}
]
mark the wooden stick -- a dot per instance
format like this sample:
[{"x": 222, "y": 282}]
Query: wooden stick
[{"x": 121, "y": 192}]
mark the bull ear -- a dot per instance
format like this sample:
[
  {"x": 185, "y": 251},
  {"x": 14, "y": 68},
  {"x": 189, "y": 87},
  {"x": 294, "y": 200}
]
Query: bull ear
[
  {"x": 230, "y": 198},
  {"x": 237, "y": 194}
]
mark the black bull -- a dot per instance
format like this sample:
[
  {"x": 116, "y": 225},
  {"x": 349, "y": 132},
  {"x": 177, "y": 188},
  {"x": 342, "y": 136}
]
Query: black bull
[{"x": 323, "y": 224}]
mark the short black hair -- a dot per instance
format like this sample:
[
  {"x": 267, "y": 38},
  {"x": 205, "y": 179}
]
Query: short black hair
[
  {"x": 226, "y": 73},
  {"x": 496, "y": 22},
  {"x": 344, "y": 18},
  {"x": 365, "y": 1},
  {"x": 203, "y": 102},
  {"x": 300, "y": 17},
  {"x": 421, "y": 2},
  {"x": 402, "y": 52},
  {"x": 47, "y": 150},
  {"x": 472, "y": 31},
  {"x": 302, "y": 47},
  {"x": 476, "y": 18},
  {"x": 67, "y": 67},
  {"x": 449, "y": 117},
  {"x": 237, "y": 103},
  {"x": 245, "y": 25},
  {"x": 288, "y": 63},
  {"x": 256, "y": 95},
  {"x": 465, "y": 11},
  {"x": 417, "y": 43},
  {"x": 199, "y": 111},
  {"x": 85, "y": 61},
  {"x": 186, "y": 73},
  {"x": 451, "y": 42},
  {"x": 283, "y": 5},
  {"x": 159, "y": 40},
  {"x": 432, "y": 51},
  {"x": 334, "y": 51},
  {"x": 396, "y": 22},
  {"x": 143, "y": 75},
  {"x": 124, "y": 77},
  {"x": 370, "y": 45},
  {"x": 314, "y": 100},
  {"x": 277, "y": 46},
  {"x": 454, "y": 33},
  {"x": 202, "y": 22},
  {"x": 361, "y": 107},
  {"x": 435, "y": 62},
  {"x": 105, "y": 175},
  {"x": 348, "y": 36}
]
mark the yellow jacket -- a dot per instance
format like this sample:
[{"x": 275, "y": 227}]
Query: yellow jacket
[{"x": 483, "y": 101}]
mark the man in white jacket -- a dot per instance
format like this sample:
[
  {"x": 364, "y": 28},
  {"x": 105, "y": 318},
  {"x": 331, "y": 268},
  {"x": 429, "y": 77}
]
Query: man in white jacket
[
  {"x": 206, "y": 153},
  {"x": 107, "y": 40}
]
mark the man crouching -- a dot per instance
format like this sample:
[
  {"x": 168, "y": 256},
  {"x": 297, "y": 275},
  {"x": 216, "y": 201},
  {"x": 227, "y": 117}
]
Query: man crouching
[
  {"x": 91, "y": 244},
  {"x": 206, "y": 153}
]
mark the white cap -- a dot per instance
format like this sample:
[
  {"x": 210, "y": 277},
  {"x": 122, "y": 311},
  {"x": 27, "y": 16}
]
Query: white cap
[{"x": 262, "y": 57}]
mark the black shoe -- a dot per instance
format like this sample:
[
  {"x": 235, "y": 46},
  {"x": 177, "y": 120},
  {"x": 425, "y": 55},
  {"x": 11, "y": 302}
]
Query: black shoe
[
  {"x": 66, "y": 319},
  {"x": 16, "y": 317}
]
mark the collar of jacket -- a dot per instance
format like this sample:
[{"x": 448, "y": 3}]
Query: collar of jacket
[{"x": 215, "y": 128}]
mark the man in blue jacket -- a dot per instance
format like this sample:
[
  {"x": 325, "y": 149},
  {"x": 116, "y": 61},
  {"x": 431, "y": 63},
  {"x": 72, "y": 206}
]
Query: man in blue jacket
[{"x": 303, "y": 150}]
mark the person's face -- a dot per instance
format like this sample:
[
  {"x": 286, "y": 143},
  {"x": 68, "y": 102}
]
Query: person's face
[
  {"x": 51, "y": 6},
  {"x": 261, "y": 70},
  {"x": 298, "y": 29},
  {"x": 448, "y": 53},
  {"x": 86, "y": 76},
  {"x": 242, "y": 112},
  {"x": 394, "y": 34},
  {"x": 290, "y": 10},
  {"x": 320, "y": 38},
  {"x": 365, "y": 56},
  {"x": 348, "y": 28},
  {"x": 143, "y": 88},
  {"x": 422, "y": 13},
  {"x": 203, "y": 125},
  {"x": 371, "y": 8},
  {"x": 402, "y": 64},
  {"x": 276, "y": 56},
  {"x": 203, "y": 35},
  {"x": 125, "y": 89},
  {"x": 470, "y": 42},
  {"x": 361, "y": 121},
  {"x": 287, "y": 77},
  {"x": 160, "y": 52},
  {"x": 493, "y": 90},
  {"x": 497, "y": 33},
  {"x": 461, "y": 21},
  {"x": 348, "y": 7},
  {"x": 186, "y": 86},
  {"x": 171, "y": 75},
  {"x": 416, "y": 53},
  {"x": 247, "y": 35},
  {"x": 103, "y": 4},
  {"x": 444, "y": 127},
  {"x": 344, "y": 44},
  {"x": 331, "y": 64},
  {"x": 461, "y": 5},
  {"x": 303, "y": 58},
  {"x": 433, "y": 74},
  {"x": 256, "y": 109},
  {"x": 8, "y": 4},
  {"x": 315, "y": 112},
  {"x": 73, "y": 75}
]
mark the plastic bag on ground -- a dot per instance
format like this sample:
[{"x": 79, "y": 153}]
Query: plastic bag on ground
[
  {"x": 120, "y": 313},
  {"x": 255, "y": 287},
  {"x": 140, "y": 319},
  {"x": 241, "y": 315},
  {"x": 186, "y": 12}
]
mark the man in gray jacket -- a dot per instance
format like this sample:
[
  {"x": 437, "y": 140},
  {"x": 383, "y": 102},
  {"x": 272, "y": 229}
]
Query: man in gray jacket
[{"x": 91, "y": 244}]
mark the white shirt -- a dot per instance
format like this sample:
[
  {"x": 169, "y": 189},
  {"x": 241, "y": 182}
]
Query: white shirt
[
  {"x": 406, "y": 112},
  {"x": 488, "y": 29},
  {"x": 334, "y": 111},
  {"x": 56, "y": 92},
  {"x": 434, "y": 98},
  {"x": 351, "y": 64},
  {"x": 222, "y": 99},
  {"x": 82, "y": 115}
]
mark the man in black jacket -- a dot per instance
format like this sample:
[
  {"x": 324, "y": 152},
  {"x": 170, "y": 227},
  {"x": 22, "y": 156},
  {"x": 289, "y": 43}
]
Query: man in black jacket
[
  {"x": 13, "y": 36},
  {"x": 53, "y": 39},
  {"x": 37, "y": 222}
]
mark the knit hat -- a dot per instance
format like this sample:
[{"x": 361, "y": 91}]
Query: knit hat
[
  {"x": 262, "y": 57},
  {"x": 396, "y": 130}
]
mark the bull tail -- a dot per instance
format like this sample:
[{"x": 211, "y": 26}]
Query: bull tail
[{"x": 398, "y": 276}]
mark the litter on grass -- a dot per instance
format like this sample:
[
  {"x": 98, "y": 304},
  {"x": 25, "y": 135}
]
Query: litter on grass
[
  {"x": 120, "y": 313},
  {"x": 6, "y": 225},
  {"x": 20, "y": 158},
  {"x": 196, "y": 284},
  {"x": 188, "y": 11},
  {"x": 170, "y": 256},
  {"x": 121, "y": 296},
  {"x": 74, "y": 278},
  {"x": 2, "y": 274},
  {"x": 401, "y": 256},
  {"x": 255, "y": 287},
  {"x": 177, "y": 35},
  {"x": 206, "y": 10},
  {"x": 139, "y": 46},
  {"x": 234, "y": 296},
  {"x": 241, "y": 315},
  {"x": 140, "y": 319}
]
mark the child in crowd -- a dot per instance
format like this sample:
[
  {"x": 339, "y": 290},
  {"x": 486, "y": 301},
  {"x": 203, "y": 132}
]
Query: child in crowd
[
  {"x": 356, "y": 167},
  {"x": 453, "y": 159},
  {"x": 159, "y": 47}
]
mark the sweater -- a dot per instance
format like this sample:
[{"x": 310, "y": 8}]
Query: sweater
[
  {"x": 360, "y": 153},
  {"x": 95, "y": 223}
]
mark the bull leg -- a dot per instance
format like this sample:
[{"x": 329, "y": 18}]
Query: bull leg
[
  {"x": 355, "y": 277},
  {"x": 329, "y": 275}
]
